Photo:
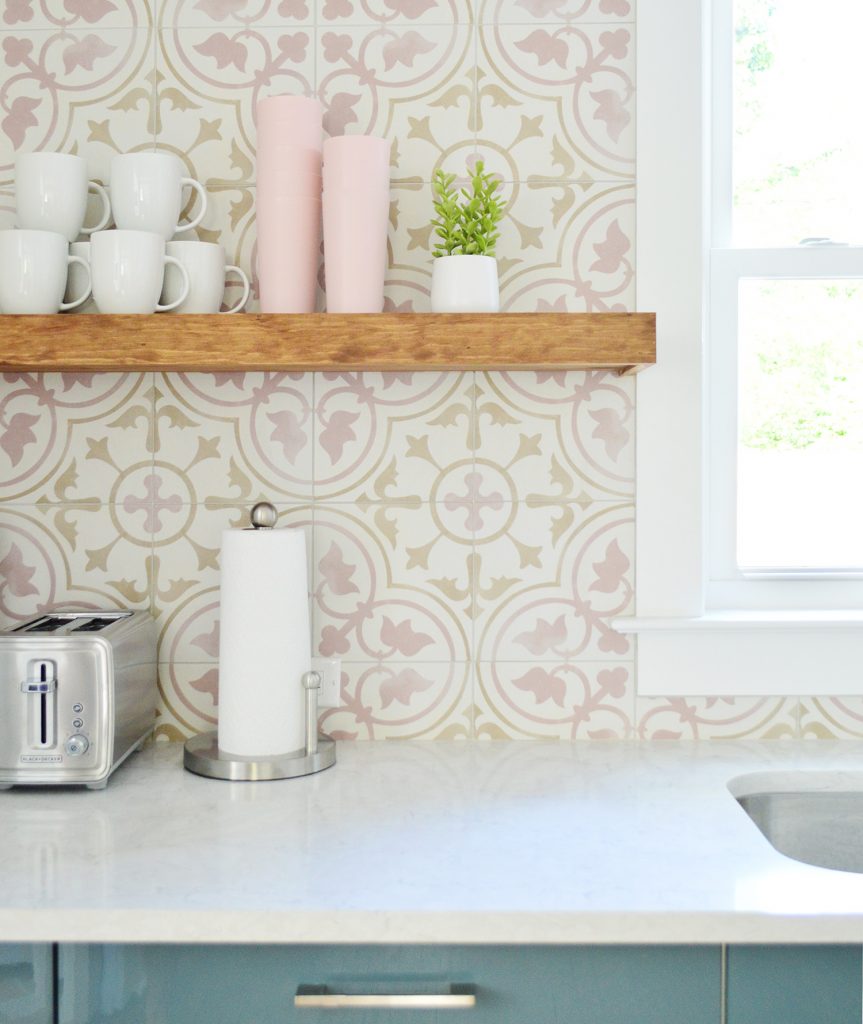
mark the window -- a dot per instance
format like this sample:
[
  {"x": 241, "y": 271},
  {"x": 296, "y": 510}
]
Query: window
[
  {"x": 726, "y": 602},
  {"x": 785, "y": 330}
]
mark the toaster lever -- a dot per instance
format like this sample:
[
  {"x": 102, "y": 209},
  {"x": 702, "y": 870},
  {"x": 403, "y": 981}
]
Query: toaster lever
[{"x": 40, "y": 686}]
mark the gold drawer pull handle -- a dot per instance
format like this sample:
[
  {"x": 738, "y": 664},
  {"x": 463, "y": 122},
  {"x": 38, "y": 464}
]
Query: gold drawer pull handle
[{"x": 319, "y": 996}]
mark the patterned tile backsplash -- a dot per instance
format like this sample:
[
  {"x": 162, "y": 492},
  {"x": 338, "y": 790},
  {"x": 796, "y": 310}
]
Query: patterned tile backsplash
[{"x": 470, "y": 535}]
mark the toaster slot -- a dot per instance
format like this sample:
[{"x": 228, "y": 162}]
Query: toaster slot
[
  {"x": 40, "y": 690},
  {"x": 47, "y": 624}
]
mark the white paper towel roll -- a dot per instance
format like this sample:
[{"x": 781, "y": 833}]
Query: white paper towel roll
[{"x": 264, "y": 642}]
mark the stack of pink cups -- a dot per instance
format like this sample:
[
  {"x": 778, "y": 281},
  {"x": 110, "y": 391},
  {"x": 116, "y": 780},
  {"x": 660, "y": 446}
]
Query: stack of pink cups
[
  {"x": 356, "y": 215},
  {"x": 289, "y": 202}
]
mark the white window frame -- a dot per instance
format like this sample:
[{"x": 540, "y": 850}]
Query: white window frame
[{"x": 697, "y": 636}]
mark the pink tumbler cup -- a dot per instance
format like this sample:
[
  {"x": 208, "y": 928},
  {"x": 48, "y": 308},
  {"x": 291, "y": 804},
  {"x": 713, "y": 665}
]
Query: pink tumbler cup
[
  {"x": 289, "y": 242},
  {"x": 356, "y": 163},
  {"x": 293, "y": 120},
  {"x": 355, "y": 251},
  {"x": 289, "y": 202},
  {"x": 356, "y": 211}
]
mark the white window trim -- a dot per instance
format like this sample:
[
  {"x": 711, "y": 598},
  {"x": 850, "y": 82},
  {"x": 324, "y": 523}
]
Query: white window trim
[{"x": 686, "y": 647}]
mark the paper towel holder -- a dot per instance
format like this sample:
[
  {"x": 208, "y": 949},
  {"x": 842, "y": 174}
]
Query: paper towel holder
[{"x": 202, "y": 755}]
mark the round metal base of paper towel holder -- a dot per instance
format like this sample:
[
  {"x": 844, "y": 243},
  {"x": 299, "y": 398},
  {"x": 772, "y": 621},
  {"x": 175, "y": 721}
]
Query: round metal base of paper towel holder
[{"x": 203, "y": 757}]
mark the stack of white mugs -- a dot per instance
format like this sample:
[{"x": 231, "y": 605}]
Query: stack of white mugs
[{"x": 134, "y": 268}]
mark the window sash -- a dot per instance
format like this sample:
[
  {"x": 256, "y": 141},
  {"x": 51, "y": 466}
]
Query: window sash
[{"x": 727, "y": 268}]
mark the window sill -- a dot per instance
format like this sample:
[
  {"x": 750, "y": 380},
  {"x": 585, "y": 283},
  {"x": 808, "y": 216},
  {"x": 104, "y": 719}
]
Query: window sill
[{"x": 743, "y": 653}]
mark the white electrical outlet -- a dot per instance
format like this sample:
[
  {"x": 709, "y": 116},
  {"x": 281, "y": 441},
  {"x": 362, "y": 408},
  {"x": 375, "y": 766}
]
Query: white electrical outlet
[{"x": 331, "y": 681}]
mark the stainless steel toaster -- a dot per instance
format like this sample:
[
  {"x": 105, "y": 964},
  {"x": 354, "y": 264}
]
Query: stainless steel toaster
[{"x": 77, "y": 696}]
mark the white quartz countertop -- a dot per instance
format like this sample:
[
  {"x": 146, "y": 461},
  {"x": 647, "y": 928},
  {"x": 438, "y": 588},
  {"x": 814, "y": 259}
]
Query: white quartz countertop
[{"x": 427, "y": 842}]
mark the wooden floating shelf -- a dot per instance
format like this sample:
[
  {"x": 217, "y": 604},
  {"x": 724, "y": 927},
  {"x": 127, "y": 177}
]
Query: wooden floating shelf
[{"x": 625, "y": 342}]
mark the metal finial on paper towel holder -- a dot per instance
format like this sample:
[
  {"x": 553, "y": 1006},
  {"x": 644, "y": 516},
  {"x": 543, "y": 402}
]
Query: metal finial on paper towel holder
[{"x": 202, "y": 755}]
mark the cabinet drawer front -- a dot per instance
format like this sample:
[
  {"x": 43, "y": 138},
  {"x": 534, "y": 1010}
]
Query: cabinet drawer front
[
  {"x": 513, "y": 985},
  {"x": 795, "y": 984},
  {"x": 26, "y": 983}
]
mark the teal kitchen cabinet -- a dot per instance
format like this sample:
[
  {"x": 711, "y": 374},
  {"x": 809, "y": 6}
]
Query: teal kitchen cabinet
[
  {"x": 794, "y": 985},
  {"x": 165, "y": 984},
  {"x": 26, "y": 983},
  {"x": 178, "y": 984}
]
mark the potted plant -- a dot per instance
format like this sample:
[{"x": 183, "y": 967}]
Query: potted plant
[{"x": 464, "y": 273}]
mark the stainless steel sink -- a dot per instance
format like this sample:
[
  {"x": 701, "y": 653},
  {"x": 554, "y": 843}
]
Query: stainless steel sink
[{"x": 819, "y": 826}]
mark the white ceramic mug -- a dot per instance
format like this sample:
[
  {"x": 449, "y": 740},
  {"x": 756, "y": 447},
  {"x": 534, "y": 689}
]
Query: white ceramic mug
[
  {"x": 78, "y": 276},
  {"x": 128, "y": 269},
  {"x": 33, "y": 270},
  {"x": 205, "y": 263},
  {"x": 147, "y": 193},
  {"x": 51, "y": 194}
]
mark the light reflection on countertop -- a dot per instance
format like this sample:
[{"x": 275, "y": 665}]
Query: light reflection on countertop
[{"x": 426, "y": 842}]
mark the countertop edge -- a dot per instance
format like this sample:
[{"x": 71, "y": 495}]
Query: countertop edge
[{"x": 134, "y": 925}]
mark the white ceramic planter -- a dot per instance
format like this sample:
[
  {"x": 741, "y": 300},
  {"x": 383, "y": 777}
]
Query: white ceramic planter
[{"x": 465, "y": 284}]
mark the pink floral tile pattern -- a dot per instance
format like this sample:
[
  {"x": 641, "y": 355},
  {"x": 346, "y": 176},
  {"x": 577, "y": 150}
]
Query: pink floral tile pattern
[
  {"x": 550, "y": 580},
  {"x": 208, "y": 82},
  {"x": 420, "y": 700},
  {"x": 72, "y": 437},
  {"x": 384, "y": 437},
  {"x": 395, "y": 12},
  {"x": 365, "y": 75},
  {"x": 235, "y": 436},
  {"x": 65, "y": 15},
  {"x": 505, "y": 12},
  {"x": 570, "y": 90},
  {"x": 561, "y": 435},
  {"x": 567, "y": 700},
  {"x": 716, "y": 718},
  {"x": 385, "y": 586},
  {"x": 247, "y": 14},
  {"x": 83, "y": 89}
]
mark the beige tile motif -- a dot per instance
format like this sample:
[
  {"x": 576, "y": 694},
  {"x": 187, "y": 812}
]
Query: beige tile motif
[
  {"x": 716, "y": 718},
  {"x": 67, "y": 437},
  {"x": 560, "y": 435},
  {"x": 405, "y": 701},
  {"x": 829, "y": 718},
  {"x": 68, "y": 556},
  {"x": 563, "y": 700}
]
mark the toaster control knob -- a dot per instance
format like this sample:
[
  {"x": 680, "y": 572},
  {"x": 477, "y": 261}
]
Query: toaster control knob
[{"x": 77, "y": 745}]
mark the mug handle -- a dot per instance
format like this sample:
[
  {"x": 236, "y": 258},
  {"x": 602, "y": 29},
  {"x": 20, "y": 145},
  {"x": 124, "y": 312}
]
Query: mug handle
[
  {"x": 77, "y": 302},
  {"x": 94, "y": 186},
  {"x": 202, "y": 192},
  {"x": 242, "y": 275},
  {"x": 185, "y": 295}
]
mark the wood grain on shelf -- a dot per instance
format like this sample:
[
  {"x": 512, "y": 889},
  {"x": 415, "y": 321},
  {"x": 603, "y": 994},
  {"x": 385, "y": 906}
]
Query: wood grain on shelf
[{"x": 319, "y": 341}]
